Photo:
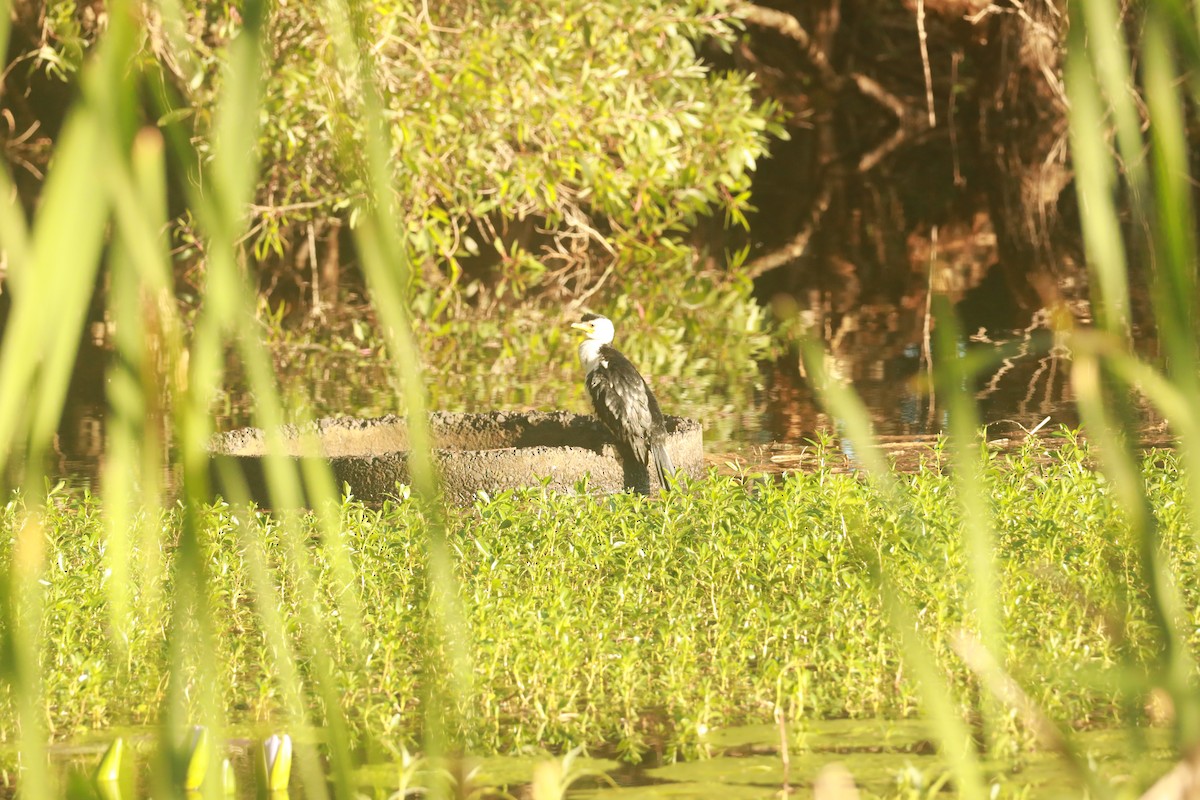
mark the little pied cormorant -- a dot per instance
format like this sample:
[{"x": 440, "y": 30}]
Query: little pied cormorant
[{"x": 624, "y": 403}]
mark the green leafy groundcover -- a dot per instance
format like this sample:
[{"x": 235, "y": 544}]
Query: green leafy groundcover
[{"x": 630, "y": 620}]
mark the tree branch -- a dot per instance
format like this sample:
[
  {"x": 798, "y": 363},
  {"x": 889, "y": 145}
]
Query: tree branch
[{"x": 798, "y": 244}]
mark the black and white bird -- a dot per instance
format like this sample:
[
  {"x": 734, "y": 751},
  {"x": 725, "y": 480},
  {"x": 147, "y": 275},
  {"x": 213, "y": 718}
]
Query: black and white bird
[{"x": 624, "y": 403}]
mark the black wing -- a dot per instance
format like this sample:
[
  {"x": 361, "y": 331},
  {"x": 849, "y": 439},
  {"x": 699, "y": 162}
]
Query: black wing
[{"x": 625, "y": 404}]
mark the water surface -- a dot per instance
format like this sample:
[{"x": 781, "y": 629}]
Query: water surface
[{"x": 885, "y": 758}]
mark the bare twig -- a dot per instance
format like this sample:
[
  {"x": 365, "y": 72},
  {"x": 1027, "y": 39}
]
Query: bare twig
[
  {"x": 784, "y": 752},
  {"x": 924, "y": 39},
  {"x": 955, "y": 60},
  {"x": 578, "y": 302},
  {"x": 315, "y": 268},
  {"x": 927, "y": 338},
  {"x": 287, "y": 208}
]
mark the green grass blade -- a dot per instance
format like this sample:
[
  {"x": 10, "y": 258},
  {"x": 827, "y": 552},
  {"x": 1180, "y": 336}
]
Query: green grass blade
[
  {"x": 1095, "y": 181},
  {"x": 954, "y": 382},
  {"x": 381, "y": 247},
  {"x": 54, "y": 268},
  {"x": 978, "y": 531},
  {"x": 1175, "y": 239},
  {"x": 38, "y": 350},
  {"x": 1100, "y": 46}
]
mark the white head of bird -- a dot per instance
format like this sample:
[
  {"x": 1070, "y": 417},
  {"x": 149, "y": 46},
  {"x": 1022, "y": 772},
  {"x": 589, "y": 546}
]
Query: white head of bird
[{"x": 600, "y": 332}]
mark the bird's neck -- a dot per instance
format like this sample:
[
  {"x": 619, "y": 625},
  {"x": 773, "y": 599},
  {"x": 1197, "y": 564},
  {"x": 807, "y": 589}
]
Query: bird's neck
[{"x": 589, "y": 354}]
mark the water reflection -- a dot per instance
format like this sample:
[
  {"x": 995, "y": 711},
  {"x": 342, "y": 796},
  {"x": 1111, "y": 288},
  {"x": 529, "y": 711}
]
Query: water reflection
[
  {"x": 1027, "y": 383},
  {"x": 882, "y": 757}
]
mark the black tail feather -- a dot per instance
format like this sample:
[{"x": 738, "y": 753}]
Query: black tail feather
[
  {"x": 635, "y": 469},
  {"x": 662, "y": 463}
]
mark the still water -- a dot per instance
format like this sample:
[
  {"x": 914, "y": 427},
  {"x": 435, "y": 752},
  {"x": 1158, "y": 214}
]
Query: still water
[{"x": 884, "y": 759}]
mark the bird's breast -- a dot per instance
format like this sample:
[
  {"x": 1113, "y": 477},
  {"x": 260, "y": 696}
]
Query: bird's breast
[{"x": 589, "y": 356}]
